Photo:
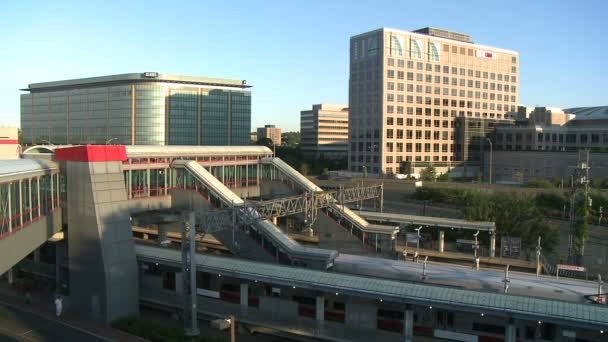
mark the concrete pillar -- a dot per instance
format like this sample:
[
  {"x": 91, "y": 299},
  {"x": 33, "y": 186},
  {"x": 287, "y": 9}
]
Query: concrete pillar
[
  {"x": 510, "y": 335},
  {"x": 441, "y": 239},
  {"x": 274, "y": 220},
  {"x": 320, "y": 307},
  {"x": 37, "y": 255},
  {"x": 244, "y": 296},
  {"x": 492, "y": 245},
  {"x": 363, "y": 235},
  {"x": 57, "y": 268},
  {"x": 408, "y": 324}
]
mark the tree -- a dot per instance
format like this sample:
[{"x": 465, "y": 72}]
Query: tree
[
  {"x": 428, "y": 174},
  {"x": 290, "y": 138},
  {"x": 265, "y": 142},
  {"x": 518, "y": 177},
  {"x": 581, "y": 228},
  {"x": 304, "y": 169}
]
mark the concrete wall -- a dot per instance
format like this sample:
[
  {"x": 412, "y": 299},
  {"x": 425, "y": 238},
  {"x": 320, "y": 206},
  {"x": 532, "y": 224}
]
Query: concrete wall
[
  {"x": 541, "y": 164},
  {"x": 102, "y": 264},
  {"x": 15, "y": 247}
]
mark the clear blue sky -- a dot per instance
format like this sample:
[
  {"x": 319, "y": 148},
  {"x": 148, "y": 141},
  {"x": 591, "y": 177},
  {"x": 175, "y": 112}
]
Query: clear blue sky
[{"x": 294, "y": 53}]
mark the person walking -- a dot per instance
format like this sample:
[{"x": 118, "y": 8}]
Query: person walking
[{"x": 58, "y": 306}]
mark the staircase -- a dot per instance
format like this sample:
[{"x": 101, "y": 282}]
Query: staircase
[{"x": 245, "y": 246}]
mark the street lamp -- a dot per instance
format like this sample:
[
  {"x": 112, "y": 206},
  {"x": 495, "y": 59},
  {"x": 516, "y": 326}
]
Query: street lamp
[
  {"x": 418, "y": 239},
  {"x": 490, "y": 171}
]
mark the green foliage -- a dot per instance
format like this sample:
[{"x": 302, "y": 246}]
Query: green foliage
[
  {"x": 599, "y": 183},
  {"x": 444, "y": 177},
  {"x": 515, "y": 215},
  {"x": 265, "y": 142},
  {"x": 291, "y": 139},
  {"x": 581, "y": 228},
  {"x": 428, "y": 174},
  {"x": 477, "y": 176},
  {"x": 156, "y": 331},
  {"x": 539, "y": 183},
  {"x": 304, "y": 169},
  {"x": 518, "y": 177},
  {"x": 551, "y": 200}
]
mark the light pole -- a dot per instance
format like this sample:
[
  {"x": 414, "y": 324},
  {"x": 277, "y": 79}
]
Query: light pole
[
  {"x": 490, "y": 168},
  {"x": 418, "y": 239}
]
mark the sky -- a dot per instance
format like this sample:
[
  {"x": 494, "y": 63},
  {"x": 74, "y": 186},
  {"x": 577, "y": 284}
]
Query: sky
[{"x": 294, "y": 53}]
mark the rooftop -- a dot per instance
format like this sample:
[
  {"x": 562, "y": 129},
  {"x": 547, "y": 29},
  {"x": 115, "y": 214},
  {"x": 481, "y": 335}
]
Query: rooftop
[
  {"x": 431, "y": 31},
  {"x": 136, "y": 77},
  {"x": 589, "y": 113}
]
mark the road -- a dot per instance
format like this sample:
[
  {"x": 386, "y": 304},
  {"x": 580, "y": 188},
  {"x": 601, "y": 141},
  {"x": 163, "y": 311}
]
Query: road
[{"x": 467, "y": 278}]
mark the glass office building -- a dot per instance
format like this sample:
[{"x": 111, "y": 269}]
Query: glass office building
[{"x": 137, "y": 109}]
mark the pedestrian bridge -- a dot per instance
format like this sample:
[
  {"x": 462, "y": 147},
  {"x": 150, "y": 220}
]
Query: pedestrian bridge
[{"x": 29, "y": 207}]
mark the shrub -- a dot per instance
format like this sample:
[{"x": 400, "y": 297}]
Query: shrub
[
  {"x": 552, "y": 200},
  {"x": 539, "y": 183}
]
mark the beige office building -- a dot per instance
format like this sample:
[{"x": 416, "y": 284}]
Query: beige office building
[
  {"x": 324, "y": 131},
  {"x": 407, "y": 89},
  {"x": 271, "y": 132}
]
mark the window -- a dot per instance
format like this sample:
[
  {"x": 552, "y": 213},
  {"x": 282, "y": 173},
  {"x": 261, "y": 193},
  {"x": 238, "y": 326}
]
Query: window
[
  {"x": 433, "y": 52},
  {"x": 415, "y": 48},
  {"x": 396, "y": 46},
  {"x": 390, "y": 73}
]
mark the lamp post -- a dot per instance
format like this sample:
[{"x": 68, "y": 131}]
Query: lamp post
[{"x": 490, "y": 168}]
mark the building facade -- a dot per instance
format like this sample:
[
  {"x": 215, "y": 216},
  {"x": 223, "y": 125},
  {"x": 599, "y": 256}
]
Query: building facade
[
  {"x": 9, "y": 143},
  {"x": 137, "y": 109},
  {"x": 270, "y": 132},
  {"x": 567, "y": 130},
  {"x": 324, "y": 131},
  {"x": 407, "y": 89}
]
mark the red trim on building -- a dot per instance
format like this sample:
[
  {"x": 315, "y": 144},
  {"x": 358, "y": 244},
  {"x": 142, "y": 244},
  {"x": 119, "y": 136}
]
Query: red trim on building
[
  {"x": 8, "y": 141},
  {"x": 92, "y": 153}
]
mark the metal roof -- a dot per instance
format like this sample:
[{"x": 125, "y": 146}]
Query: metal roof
[
  {"x": 136, "y": 77},
  {"x": 141, "y": 151},
  {"x": 589, "y": 113},
  {"x": 584, "y": 315},
  {"x": 20, "y": 168},
  {"x": 151, "y": 151},
  {"x": 428, "y": 221}
]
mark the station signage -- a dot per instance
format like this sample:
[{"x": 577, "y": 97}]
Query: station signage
[
  {"x": 150, "y": 74},
  {"x": 571, "y": 267}
]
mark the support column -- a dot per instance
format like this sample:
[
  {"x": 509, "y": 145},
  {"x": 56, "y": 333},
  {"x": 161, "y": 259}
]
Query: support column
[
  {"x": 492, "y": 245},
  {"x": 408, "y": 324},
  {"x": 510, "y": 335},
  {"x": 320, "y": 307},
  {"x": 244, "y": 297},
  {"x": 441, "y": 239},
  {"x": 274, "y": 220},
  {"x": 37, "y": 255}
]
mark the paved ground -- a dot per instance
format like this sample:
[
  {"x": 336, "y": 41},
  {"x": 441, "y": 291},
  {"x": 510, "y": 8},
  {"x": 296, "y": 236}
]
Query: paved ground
[{"x": 19, "y": 325}]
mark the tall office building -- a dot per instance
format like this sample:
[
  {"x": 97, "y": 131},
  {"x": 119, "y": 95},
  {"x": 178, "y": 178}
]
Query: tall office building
[
  {"x": 407, "y": 88},
  {"x": 270, "y": 132},
  {"x": 324, "y": 131},
  {"x": 138, "y": 109}
]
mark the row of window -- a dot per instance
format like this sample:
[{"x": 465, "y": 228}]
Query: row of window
[{"x": 452, "y": 70}]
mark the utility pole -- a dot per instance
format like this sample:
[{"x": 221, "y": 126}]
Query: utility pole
[
  {"x": 580, "y": 187},
  {"x": 189, "y": 275},
  {"x": 490, "y": 167},
  {"x": 538, "y": 249}
]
